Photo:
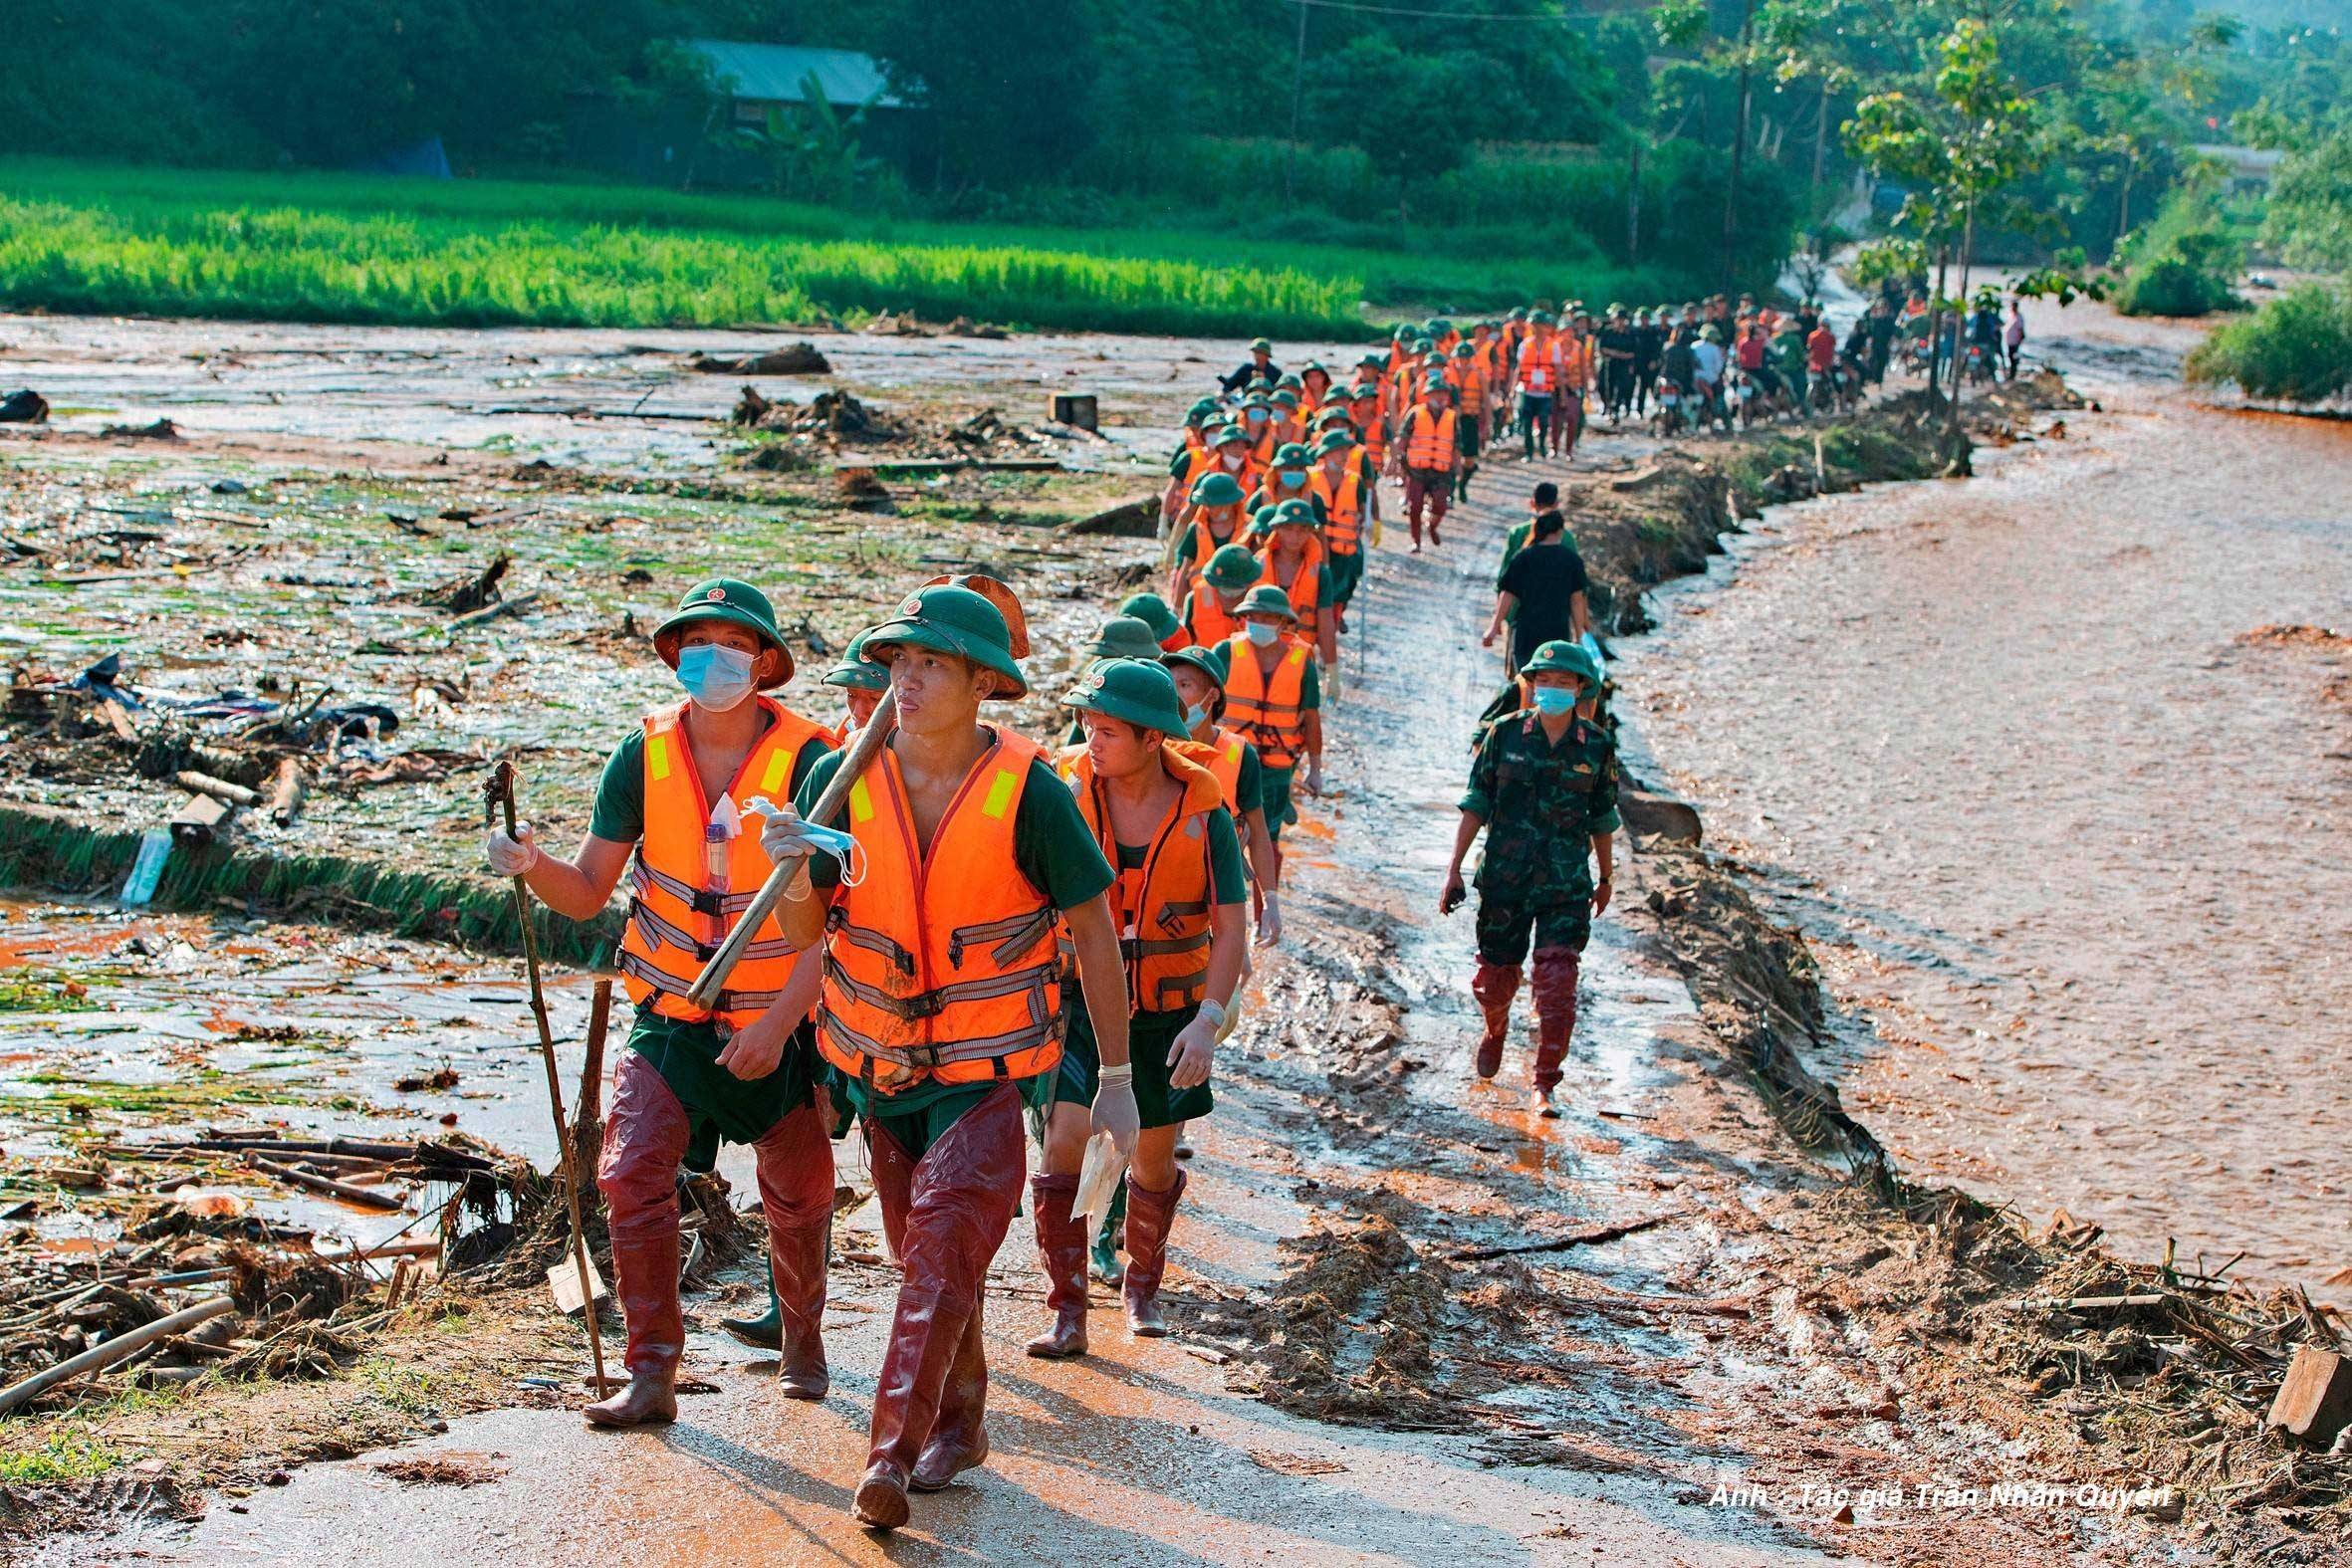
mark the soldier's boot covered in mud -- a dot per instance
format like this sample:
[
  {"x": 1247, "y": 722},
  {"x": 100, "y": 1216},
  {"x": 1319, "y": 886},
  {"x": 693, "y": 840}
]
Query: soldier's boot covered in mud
[
  {"x": 1149, "y": 1216},
  {"x": 796, "y": 1171},
  {"x": 1061, "y": 1250},
  {"x": 947, "y": 1214},
  {"x": 959, "y": 1433},
  {"x": 645, "y": 1138},
  {"x": 1494, "y": 986},
  {"x": 1555, "y": 1019}
]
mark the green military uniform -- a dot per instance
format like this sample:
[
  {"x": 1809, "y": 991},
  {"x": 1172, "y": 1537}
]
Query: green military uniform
[{"x": 1543, "y": 805}]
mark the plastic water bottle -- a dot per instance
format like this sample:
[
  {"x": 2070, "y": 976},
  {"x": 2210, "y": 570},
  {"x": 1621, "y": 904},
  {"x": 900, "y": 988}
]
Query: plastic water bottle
[{"x": 154, "y": 847}]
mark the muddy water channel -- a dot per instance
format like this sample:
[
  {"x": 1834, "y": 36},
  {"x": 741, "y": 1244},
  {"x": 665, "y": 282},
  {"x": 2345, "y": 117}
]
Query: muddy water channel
[{"x": 2044, "y": 767}]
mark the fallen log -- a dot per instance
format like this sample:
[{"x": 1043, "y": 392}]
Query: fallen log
[
  {"x": 219, "y": 788},
  {"x": 502, "y": 608},
  {"x": 104, "y": 1354},
  {"x": 286, "y": 792},
  {"x": 362, "y": 1195}
]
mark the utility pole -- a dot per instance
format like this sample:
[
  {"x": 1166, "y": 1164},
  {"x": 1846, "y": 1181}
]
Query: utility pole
[
  {"x": 1298, "y": 97},
  {"x": 1731, "y": 198}
]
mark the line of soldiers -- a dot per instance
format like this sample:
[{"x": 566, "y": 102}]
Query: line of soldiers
[{"x": 988, "y": 938}]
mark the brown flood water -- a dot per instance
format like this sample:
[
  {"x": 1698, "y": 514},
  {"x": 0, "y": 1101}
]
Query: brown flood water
[{"x": 2075, "y": 851}]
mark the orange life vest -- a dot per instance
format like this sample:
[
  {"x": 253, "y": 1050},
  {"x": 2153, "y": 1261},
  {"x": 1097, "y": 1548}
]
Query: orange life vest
[
  {"x": 1222, "y": 757},
  {"x": 1162, "y": 906},
  {"x": 1306, "y": 584},
  {"x": 1207, "y": 618},
  {"x": 1344, "y": 506},
  {"x": 1469, "y": 380},
  {"x": 688, "y": 890},
  {"x": 1204, "y": 462},
  {"x": 1205, "y": 543},
  {"x": 1429, "y": 442},
  {"x": 1575, "y": 356},
  {"x": 955, "y": 978},
  {"x": 1269, "y": 710},
  {"x": 1538, "y": 366}
]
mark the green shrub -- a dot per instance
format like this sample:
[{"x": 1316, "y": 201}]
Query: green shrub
[
  {"x": 2173, "y": 285},
  {"x": 2298, "y": 348}
]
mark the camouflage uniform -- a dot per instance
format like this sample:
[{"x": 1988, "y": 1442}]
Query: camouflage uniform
[{"x": 1542, "y": 806}]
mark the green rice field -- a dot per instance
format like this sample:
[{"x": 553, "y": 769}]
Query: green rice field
[{"x": 101, "y": 239}]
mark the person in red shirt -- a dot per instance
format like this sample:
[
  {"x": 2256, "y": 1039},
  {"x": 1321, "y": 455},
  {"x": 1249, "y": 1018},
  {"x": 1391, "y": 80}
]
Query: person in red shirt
[{"x": 1821, "y": 348}]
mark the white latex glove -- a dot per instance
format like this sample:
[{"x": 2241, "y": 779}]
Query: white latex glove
[
  {"x": 1115, "y": 1109},
  {"x": 1334, "y": 685},
  {"x": 1315, "y": 777},
  {"x": 1270, "y": 921},
  {"x": 780, "y": 833},
  {"x": 512, "y": 856},
  {"x": 1188, "y": 1060}
]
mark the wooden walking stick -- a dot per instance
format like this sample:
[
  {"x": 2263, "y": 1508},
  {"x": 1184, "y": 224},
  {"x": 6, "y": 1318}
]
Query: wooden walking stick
[
  {"x": 500, "y": 791},
  {"x": 862, "y": 751}
]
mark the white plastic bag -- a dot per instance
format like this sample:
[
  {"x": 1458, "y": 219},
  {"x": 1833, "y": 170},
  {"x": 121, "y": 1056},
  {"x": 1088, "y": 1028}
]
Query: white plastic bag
[{"x": 1099, "y": 1179}]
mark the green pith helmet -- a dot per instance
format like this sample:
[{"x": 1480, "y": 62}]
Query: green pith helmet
[
  {"x": 1372, "y": 361},
  {"x": 1519, "y": 312},
  {"x": 1334, "y": 441},
  {"x": 1438, "y": 328},
  {"x": 734, "y": 601},
  {"x": 1312, "y": 368},
  {"x": 1566, "y": 657},
  {"x": 1226, "y": 435},
  {"x": 1293, "y": 454},
  {"x": 1465, "y": 350},
  {"x": 951, "y": 619},
  {"x": 1289, "y": 379},
  {"x": 1541, "y": 319},
  {"x": 1216, "y": 490},
  {"x": 1295, "y": 513},
  {"x": 1262, "y": 519},
  {"x": 1125, "y": 637},
  {"x": 1260, "y": 345},
  {"x": 1139, "y": 691},
  {"x": 1436, "y": 383},
  {"x": 1334, "y": 418},
  {"x": 1208, "y": 661},
  {"x": 1153, "y": 612},
  {"x": 1232, "y": 568},
  {"x": 1404, "y": 331},
  {"x": 1284, "y": 397},
  {"x": 856, "y": 671},
  {"x": 1200, "y": 411},
  {"x": 1267, "y": 599},
  {"x": 1256, "y": 400}
]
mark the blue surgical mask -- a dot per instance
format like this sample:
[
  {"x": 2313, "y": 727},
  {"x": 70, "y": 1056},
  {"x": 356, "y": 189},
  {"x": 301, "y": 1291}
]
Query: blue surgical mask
[
  {"x": 1552, "y": 701},
  {"x": 1263, "y": 632},
  {"x": 717, "y": 678},
  {"x": 1196, "y": 714}
]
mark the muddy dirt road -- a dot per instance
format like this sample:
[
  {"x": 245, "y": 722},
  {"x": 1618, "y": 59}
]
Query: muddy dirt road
[
  {"x": 1578, "y": 1404},
  {"x": 2042, "y": 765}
]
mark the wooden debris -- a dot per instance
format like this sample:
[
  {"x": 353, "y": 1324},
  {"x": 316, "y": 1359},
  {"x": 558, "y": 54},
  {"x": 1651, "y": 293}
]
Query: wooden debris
[
  {"x": 366, "y": 1197},
  {"x": 107, "y": 1352},
  {"x": 286, "y": 792},
  {"x": 2316, "y": 1402},
  {"x": 514, "y": 606},
  {"x": 201, "y": 818},
  {"x": 1591, "y": 1236},
  {"x": 219, "y": 788}
]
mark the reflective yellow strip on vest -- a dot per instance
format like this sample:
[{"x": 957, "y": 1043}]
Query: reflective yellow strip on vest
[
  {"x": 772, "y": 778},
  {"x": 862, "y": 804},
  {"x": 658, "y": 756},
  {"x": 1000, "y": 795}
]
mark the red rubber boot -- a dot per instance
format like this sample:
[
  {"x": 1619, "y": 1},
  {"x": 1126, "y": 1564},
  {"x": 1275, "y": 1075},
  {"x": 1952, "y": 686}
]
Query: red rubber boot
[
  {"x": 796, "y": 1163},
  {"x": 1061, "y": 1247},
  {"x": 957, "y": 1207},
  {"x": 645, "y": 1138},
  {"x": 959, "y": 1434},
  {"x": 1149, "y": 1216},
  {"x": 1556, "y": 1019},
  {"x": 1494, "y": 986}
]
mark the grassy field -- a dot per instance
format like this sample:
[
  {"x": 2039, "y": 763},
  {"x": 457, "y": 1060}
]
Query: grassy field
[{"x": 83, "y": 238}]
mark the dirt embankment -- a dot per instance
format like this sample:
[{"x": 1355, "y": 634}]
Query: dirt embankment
[{"x": 2170, "y": 1371}]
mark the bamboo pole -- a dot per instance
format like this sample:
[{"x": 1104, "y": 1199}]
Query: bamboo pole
[
  {"x": 105, "y": 1353},
  {"x": 501, "y": 793}
]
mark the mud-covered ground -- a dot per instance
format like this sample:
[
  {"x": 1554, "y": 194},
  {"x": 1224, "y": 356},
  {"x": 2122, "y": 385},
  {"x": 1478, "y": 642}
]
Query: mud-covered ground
[{"x": 1414, "y": 1323}]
